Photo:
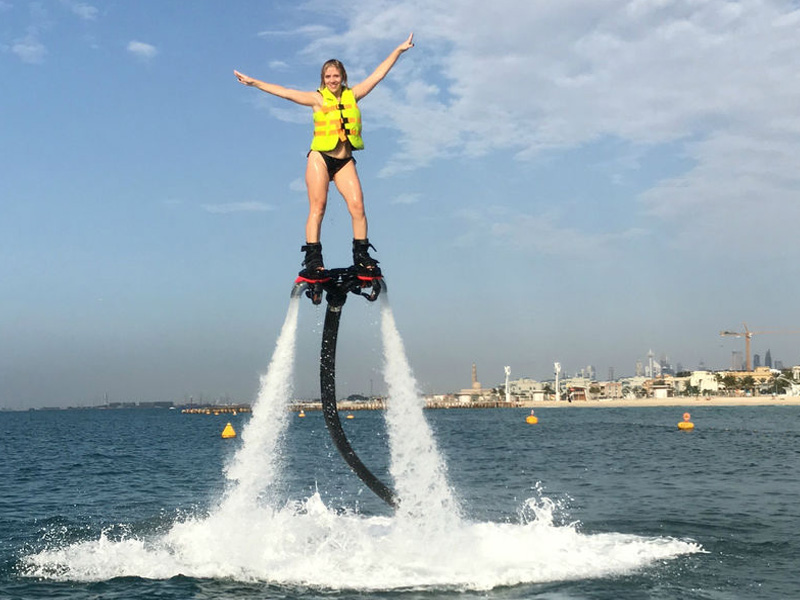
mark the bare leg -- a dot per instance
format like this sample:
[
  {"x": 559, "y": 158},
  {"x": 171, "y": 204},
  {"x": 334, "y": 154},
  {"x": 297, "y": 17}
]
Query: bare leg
[
  {"x": 317, "y": 185},
  {"x": 349, "y": 186}
]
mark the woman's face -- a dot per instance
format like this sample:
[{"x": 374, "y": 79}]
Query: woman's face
[{"x": 333, "y": 79}]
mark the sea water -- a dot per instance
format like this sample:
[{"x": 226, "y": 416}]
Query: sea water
[{"x": 589, "y": 503}]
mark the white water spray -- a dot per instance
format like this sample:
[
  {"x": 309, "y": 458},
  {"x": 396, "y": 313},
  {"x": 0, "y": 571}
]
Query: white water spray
[
  {"x": 255, "y": 466},
  {"x": 419, "y": 472}
]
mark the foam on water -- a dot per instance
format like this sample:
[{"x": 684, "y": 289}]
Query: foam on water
[
  {"x": 254, "y": 536},
  {"x": 305, "y": 543}
]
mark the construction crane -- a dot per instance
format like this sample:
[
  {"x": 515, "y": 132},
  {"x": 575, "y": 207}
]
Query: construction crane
[{"x": 747, "y": 335}]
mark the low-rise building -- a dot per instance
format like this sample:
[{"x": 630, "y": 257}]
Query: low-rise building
[
  {"x": 609, "y": 390},
  {"x": 705, "y": 382},
  {"x": 526, "y": 389}
]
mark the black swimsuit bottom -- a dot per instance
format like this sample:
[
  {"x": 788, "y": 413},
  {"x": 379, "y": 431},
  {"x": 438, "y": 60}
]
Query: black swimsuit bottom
[{"x": 334, "y": 165}]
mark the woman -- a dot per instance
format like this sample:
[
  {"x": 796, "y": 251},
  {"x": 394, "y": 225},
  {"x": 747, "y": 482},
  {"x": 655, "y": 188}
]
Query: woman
[{"x": 337, "y": 133}]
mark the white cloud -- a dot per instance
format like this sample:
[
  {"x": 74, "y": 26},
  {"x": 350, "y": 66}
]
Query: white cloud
[
  {"x": 29, "y": 49},
  {"x": 542, "y": 234},
  {"x": 410, "y": 198},
  {"x": 314, "y": 31},
  {"x": 639, "y": 71},
  {"x": 142, "y": 50},
  {"x": 287, "y": 113},
  {"x": 280, "y": 109},
  {"x": 278, "y": 65},
  {"x": 743, "y": 189},
  {"x": 233, "y": 207},
  {"x": 85, "y": 11}
]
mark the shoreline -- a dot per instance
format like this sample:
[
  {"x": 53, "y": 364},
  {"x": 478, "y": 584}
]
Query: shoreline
[
  {"x": 683, "y": 403},
  {"x": 346, "y": 406},
  {"x": 677, "y": 402}
]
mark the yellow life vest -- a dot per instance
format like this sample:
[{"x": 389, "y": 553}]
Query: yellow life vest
[{"x": 337, "y": 121}]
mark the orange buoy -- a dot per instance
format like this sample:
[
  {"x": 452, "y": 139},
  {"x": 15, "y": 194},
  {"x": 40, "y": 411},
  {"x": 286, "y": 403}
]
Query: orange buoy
[
  {"x": 686, "y": 424},
  {"x": 301, "y": 414},
  {"x": 228, "y": 432},
  {"x": 531, "y": 419}
]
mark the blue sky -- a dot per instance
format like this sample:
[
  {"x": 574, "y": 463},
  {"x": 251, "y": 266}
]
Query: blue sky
[{"x": 581, "y": 181}]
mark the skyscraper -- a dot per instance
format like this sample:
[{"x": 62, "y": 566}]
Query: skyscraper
[{"x": 768, "y": 359}]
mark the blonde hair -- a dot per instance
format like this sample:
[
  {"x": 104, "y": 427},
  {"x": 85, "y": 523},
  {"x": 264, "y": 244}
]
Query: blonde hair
[{"x": 339, "y": 66}]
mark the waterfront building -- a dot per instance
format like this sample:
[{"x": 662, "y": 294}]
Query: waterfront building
[
  {"x": 704, "y": 381},
  {"x": 526, "y": 389},
  {"x": 607, "y": 390},
  {"x": 662, "y": 390},
  {"x": 577, "y": 388}
]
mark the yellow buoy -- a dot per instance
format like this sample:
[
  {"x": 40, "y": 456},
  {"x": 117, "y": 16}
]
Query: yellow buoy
[
  {"x": 686, "y": 424},
  {"x": 531, "y": 419},
  {"x": 349, "y": 416},
  {"x": 228, "y": 432},
  {"x": 301, "y": 414}
]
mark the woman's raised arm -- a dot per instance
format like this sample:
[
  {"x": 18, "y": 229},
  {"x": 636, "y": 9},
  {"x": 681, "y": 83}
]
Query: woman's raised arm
[
  {"x": 365, "y": 87},
  {"x": 300, "y": 97}
]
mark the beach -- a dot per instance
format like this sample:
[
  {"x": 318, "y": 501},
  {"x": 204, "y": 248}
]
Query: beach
[{"x": 684, "y": 402}]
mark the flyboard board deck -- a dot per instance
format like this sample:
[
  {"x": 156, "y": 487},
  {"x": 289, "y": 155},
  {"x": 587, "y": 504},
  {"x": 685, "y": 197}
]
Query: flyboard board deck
[{"x": 335, "y": 285}]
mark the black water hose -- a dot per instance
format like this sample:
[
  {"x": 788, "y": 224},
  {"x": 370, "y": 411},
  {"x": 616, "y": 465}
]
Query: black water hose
[{"x": 327, "y": 381}]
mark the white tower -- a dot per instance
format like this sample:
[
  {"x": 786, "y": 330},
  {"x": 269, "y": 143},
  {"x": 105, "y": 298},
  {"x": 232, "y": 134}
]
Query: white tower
[
  {"x": 557, "y": 367},
  {"x": 508, "y": 393}
]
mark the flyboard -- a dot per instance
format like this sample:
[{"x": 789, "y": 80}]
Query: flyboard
[{"x": 335, "y": 285}]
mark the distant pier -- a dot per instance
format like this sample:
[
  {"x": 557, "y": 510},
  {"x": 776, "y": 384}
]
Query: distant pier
[{"x": 218, "y": 410}]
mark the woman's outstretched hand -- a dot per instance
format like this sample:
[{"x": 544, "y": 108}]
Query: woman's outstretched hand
[
  {"x": 244, "y": 78},
  {"x": 409, "y": 43}
]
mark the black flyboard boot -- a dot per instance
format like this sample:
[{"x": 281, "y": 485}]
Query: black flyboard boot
[
  {"x": 366, "y": 266},
  {"x": 314, "y": 267}
]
